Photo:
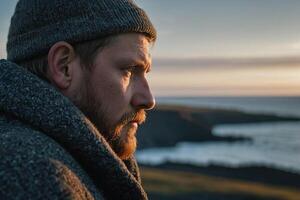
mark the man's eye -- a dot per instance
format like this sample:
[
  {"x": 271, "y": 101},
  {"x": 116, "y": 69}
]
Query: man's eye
[{"x": 128, "y": 72}]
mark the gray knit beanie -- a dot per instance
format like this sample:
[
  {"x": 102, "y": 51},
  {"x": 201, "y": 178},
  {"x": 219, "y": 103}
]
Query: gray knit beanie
[{"x": 38, "y": 24}]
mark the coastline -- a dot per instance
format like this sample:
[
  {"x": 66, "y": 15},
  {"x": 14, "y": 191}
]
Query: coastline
[{"x": 167, "y": 125}]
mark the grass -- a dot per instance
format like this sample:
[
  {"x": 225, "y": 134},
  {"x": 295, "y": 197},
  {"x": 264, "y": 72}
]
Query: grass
[{"x": 171, "y": 182}]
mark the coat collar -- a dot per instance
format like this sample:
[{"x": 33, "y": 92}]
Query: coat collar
[{"x": 35, "y": 102}]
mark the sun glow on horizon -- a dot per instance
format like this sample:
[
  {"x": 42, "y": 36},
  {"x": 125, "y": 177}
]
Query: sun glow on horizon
[{"x": 227, "y": 81}]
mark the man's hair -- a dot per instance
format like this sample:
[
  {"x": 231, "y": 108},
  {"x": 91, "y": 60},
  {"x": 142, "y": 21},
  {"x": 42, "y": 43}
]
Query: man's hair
[{"x": 86, "y": 51}]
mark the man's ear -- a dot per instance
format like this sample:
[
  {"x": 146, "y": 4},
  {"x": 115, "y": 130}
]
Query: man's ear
[{"x": 60, "y": 57}]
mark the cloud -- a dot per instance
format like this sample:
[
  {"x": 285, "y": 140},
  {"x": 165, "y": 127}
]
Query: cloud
[
  {"x": 234, "y": 62},
  {"x": 295, "y": 45}
]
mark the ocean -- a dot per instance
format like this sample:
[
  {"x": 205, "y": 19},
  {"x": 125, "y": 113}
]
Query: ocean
[{"x": 273, "y": 144}]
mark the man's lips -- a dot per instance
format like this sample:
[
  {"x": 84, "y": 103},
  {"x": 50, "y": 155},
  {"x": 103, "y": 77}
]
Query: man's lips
[
  {"x": 135, "y": 123},
  {"x": 139, "y": 122}
]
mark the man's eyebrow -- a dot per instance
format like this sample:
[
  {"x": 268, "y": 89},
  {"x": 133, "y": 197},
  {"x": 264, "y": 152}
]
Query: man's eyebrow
[
  {"x": 146, "y": 66},
  {"x": 136, "y": 62}
]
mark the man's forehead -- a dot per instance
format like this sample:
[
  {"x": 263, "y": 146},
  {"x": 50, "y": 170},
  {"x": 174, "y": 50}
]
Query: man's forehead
[
  {"x": 131, "y": 46},
  {"x": 131, "y": 40}
]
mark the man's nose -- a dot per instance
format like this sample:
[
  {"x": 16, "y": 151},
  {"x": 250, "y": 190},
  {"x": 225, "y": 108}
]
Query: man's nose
[{"x": 142, "y": 96}]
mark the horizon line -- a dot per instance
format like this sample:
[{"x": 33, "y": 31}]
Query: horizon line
[{"x": 290, "y": 60}]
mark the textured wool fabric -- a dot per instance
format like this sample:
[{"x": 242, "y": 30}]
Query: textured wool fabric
[
  {"x": 38, "y": 24},
  {"x": 50, "y": 150}
]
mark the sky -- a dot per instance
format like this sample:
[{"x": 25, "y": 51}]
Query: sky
[{"x": 217, "y": 47}]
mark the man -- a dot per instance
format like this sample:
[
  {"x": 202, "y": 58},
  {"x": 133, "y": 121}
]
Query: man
[{"x": 73, "y": 92}]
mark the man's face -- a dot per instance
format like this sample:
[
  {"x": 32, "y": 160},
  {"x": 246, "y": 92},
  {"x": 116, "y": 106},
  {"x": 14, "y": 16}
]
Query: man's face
[{"x": 115, "y": 93}]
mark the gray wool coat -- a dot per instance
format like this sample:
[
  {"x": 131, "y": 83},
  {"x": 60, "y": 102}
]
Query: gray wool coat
[{"x": 50, "y": 150}]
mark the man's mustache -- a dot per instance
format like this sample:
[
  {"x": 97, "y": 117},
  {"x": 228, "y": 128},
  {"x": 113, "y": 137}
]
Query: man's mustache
[{"x": 138, "y": 117}]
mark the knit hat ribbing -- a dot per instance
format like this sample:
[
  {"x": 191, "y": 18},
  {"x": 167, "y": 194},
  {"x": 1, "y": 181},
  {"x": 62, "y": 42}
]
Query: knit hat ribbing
[{"x": 38, "y": 24}]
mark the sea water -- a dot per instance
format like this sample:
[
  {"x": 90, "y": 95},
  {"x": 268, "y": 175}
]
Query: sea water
[
  {"x": 272, "y": 144},
  {"x": 283, "y": 106}
]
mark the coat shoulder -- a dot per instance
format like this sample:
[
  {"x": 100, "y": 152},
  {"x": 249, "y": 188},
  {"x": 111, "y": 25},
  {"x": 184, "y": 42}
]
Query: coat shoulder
[{"x": 34, "y": 166}]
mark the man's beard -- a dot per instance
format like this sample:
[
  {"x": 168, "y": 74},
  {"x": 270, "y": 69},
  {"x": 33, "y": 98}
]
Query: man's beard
[{"x": 121, "y": 134}]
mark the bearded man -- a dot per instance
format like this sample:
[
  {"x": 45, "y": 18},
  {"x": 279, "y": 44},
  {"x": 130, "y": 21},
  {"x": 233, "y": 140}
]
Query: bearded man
[{"x": 73, "y": 92}]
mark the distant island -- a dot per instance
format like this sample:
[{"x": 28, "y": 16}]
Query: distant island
[{"x": 169, "y": 124}]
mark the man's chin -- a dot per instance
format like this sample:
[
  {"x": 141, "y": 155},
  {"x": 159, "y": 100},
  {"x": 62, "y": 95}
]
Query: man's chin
[
  {"x": 127, "y": 150},
  {"x": 125, "y": 145}
]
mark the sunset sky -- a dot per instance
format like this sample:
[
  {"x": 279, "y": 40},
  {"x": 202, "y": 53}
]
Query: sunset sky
[{"x": 217, "y": 48}]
